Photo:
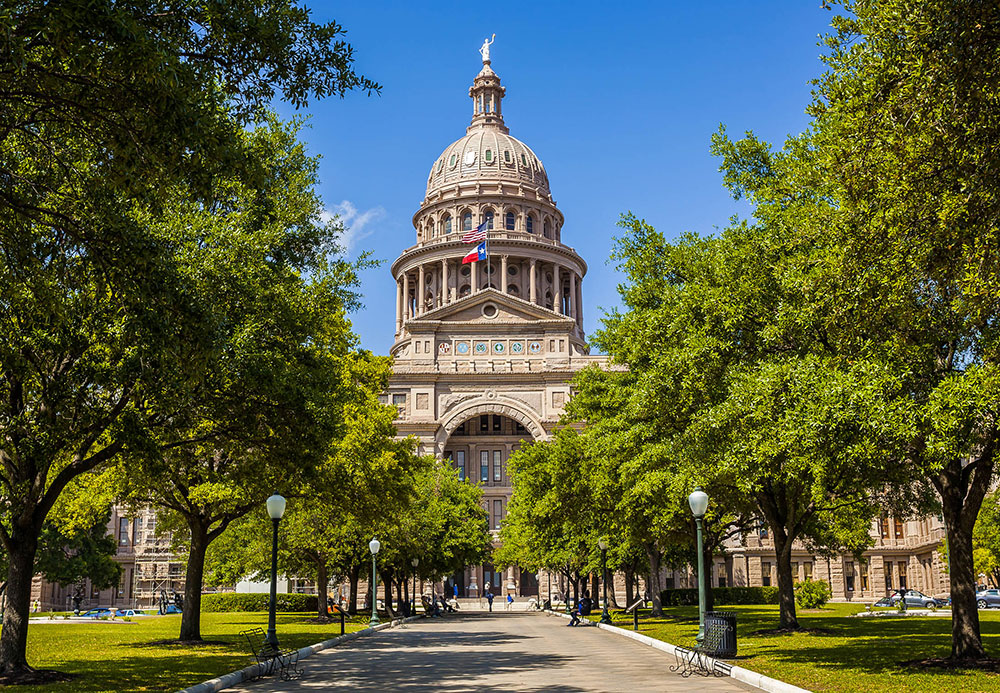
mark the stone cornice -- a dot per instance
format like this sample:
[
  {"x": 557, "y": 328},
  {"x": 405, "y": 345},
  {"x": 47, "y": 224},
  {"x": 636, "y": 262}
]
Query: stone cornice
[{"x": 452, "y": 250}]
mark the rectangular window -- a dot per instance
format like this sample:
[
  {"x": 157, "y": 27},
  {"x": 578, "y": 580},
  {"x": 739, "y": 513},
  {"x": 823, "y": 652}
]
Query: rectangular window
[
  {"x": 460, "y": 464},
  {"x": 670, "y": 581},
  {"x": 383, "y": 399},
  {"x": 399, "y": 400},
  {"x": 496, "y": 424},
  {"x": 888, "y": 575},
  {"x": 795, "y": 571},
  {"x": 484, "y": 424},
  {"x": 137, "y": 530},
  {"x": 849, "y": 576},
  {"x": 807, "y": 570},
  {"x": 123, "y": 531},
  {"x": 902, "y": 573},
  {"x": 883, "y": 526},
  {"x": 765, "y": 574},
  {"x": 898, "y": 526},
  {"x": 720, "y": 570},
  {"x": 497, "y": 513},
  {"x": 497, "y": 476},
  {"x": 94, "y": 592},
  {"x": 484, "y": 465},
  {"x": 863, "y": 570}
]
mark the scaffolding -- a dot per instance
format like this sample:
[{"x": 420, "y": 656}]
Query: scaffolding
[{"x": 157, "y": 567}]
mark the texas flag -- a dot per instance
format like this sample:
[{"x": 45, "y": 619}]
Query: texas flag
[{"x": 479, "y": 253}]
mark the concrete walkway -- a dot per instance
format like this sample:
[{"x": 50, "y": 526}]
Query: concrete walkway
[{"x": 490, "y": 653}]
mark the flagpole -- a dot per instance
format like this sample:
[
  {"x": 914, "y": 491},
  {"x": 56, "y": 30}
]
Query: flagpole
[{"x": 488, "y": 265}]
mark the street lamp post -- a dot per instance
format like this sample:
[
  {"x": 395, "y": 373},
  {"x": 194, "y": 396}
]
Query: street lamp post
[
  {"x": 374, "y": 546},
  {"x": 605, "y": 616},
  {"x": 698, "y": 500},
  {"x": 415, "y": 562},
  {"x": 275, "y": 509}
]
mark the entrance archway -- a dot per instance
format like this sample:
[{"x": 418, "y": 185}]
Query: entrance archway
[{"x": 479, "y": 446}]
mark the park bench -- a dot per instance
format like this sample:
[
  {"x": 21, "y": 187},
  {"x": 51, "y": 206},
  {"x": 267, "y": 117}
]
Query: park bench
[
  {"x": 701, "y": 660},
  {"x": 270, "y": 657}
]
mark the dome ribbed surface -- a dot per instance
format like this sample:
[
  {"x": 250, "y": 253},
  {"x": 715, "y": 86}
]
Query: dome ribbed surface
[{"x": 483, "y": 155}]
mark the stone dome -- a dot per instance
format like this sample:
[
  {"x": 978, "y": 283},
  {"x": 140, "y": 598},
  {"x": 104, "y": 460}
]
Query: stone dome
[{"x": 487, "y": 153}]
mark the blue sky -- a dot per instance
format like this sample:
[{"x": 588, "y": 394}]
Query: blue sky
[{"x": 618, "y": 102}]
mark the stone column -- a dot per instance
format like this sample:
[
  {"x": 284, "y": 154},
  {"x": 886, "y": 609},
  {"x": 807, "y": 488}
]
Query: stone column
[
  {"x": 399, "y": 306},
  {"x": 579, "y": 303},
  {"x": 421, "y": 289},
  {"x": 503, "y": 273},
  {"x": 474, "y": 277},
  {"x": 533, "y": 290},
  {"x": 445, "y": 297},
  {"x": 572, "y": 294},
  {"x": 407, "y": 310},
  {"x": 557, "y": 289}
]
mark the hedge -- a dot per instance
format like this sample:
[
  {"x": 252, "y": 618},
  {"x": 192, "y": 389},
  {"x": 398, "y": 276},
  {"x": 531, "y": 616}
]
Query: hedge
[
  {"x": 722, "y": 596},
  {"x": 256, "y": 601}
]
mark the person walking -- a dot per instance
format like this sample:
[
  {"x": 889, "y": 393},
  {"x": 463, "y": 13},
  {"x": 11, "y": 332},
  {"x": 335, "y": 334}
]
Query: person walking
[
  {"x": 510, "y": 602},
  {"x": 489, "y": 598}
]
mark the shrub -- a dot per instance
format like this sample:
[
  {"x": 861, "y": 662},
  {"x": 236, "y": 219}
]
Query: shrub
[
  {"x": 812, "y": 594},
  {"x": 256, "y": 601},
  {"x": 722, "y": 596}
]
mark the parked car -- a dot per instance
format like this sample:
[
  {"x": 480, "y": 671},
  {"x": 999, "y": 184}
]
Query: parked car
[
  {"x": 988, "y": 598},
  {"x": 129, "y": 612},
  {"x": 914, "y": 598},
  {"x": 100, "y": 612}
]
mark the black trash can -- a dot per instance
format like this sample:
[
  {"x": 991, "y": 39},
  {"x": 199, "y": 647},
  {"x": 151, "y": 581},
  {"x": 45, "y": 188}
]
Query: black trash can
[{"x": 720, "y": 634}]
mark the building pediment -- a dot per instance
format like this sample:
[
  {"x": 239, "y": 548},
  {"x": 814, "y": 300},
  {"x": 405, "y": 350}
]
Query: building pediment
[{"x": 490, "y": 307}]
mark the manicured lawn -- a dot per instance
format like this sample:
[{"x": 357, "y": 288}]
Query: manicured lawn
[
  {"x": 848, "y": 655},
  {"x": 119, "y": 657}
]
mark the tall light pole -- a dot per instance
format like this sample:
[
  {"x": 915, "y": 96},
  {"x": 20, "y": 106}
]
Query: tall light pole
[
  {"x": 698, "y": 500},
  {"x": 275, "y": 509},
  {"x": 415, "y": 562},
  {"x": 374, "y": 546},
  {"x": 605, "y": 616}
]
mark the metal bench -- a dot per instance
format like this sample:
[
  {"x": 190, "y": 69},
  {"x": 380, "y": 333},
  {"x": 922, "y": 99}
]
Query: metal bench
[
  {"x": 270, "y": 657},
  {"x": 700, "y": 660}
]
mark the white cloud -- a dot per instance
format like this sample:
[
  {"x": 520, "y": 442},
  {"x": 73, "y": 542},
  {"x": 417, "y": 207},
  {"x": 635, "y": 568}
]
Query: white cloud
[{"x": 358, "y": 225}]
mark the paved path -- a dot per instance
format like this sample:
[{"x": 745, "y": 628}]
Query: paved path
[{"x": 489, "y": 654}]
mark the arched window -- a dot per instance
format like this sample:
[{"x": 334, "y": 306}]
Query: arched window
[
  {"x": 508, "y": 221},
  {"x": 489, "y": 156},
  {"x": 447, "y": 224},
  {"x": 488, "y": 218},
  {"x": 465, "y": 290},
  {"x": 530, "y": 224},
  {"x": 452, "y": 160},
  {"x": 467, "y": 222},
  {"x": 441, "y": 165},
  {"x": 547, "y": 229}
]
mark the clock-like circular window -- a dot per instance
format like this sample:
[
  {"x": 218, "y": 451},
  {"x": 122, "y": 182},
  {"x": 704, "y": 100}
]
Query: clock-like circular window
[{"x": 490, "y": 310}]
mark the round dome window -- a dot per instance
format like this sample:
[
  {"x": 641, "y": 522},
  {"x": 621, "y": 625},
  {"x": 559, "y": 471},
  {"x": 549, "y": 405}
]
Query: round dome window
[{"x": 490, "y": 310}]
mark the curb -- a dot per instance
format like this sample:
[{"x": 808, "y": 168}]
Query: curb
[
  {"x": 254, "y": 670},
  {"x": 751, "y": 678}
]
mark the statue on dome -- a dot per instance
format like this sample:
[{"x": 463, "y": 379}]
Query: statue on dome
[{"x": 485, "y": 49}]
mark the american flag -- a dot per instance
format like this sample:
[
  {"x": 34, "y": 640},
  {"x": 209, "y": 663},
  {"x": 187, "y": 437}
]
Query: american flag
[{"x": 477, "y": 235}]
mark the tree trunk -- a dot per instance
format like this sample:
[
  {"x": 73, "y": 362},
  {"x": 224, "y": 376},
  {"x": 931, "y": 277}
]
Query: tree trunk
[
  {"x": 20, "y": 570},
  {"x": 595, "y": 592},
  {"x": 786, "y": 587},
  {"x": 629, "y": 587},
  {"x": 707, "y": 559},
  {"x": 387, "y": 583},
  {"x": 609, "y": 578},
  {"x": 406, "y": 597},
  {"x": 191, "y": 615},
  {"x": 352, "y": 575},
  {"x": 653, "y": 584},
  {"x": 322, "y": 583},
  {"x": 960, "y": 503}
]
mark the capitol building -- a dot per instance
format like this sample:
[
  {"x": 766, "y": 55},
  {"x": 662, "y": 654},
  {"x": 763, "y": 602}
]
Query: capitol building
[{"x": 484, "y": 351}]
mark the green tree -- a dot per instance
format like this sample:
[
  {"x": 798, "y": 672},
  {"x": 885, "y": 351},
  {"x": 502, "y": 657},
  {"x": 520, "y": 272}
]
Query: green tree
[
  {"x": 986, "y": 539},
  {"x": 107, "y": 112},
  {"x": 897, "y": 180}
]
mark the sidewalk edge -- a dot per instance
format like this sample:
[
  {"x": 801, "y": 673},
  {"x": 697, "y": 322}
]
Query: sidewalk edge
[
  {"x": 751, "y": 678},
  {"x": 240, "y": 675}
]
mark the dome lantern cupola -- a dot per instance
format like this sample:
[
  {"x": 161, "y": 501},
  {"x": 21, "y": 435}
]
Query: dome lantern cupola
[{"x": 487, "y": 93}]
